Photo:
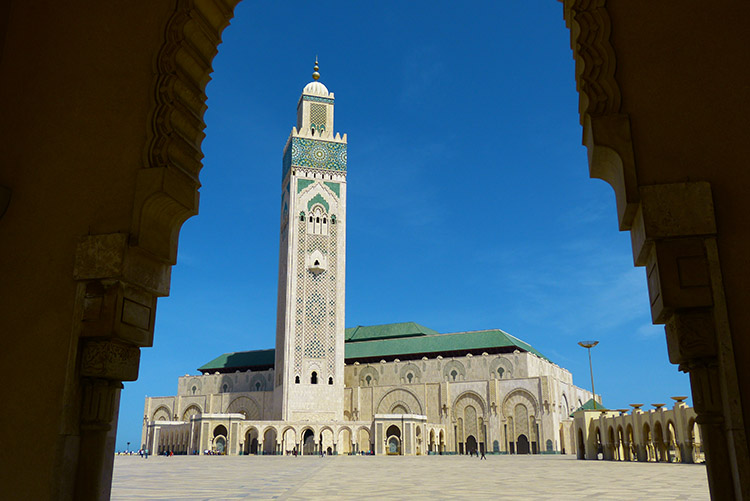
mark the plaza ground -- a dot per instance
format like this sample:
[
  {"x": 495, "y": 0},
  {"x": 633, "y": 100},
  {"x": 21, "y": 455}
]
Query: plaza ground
[{"x": 403, "y": 477}]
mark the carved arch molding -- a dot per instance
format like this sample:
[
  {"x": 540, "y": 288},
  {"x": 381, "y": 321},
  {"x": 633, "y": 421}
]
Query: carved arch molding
[
  {"x": 400, "y": 397},
  {"x": 674, "y": 236},
  {"x": 120, "y": 275}
]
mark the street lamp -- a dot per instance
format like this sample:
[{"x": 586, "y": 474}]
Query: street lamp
[
  {"x": 588, "y": 345},
  {"x": 128, "y": 449}
]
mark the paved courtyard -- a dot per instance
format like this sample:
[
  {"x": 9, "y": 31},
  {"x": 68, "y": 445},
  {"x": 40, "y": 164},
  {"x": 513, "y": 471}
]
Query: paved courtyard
[{"x": 380, "y": 477}]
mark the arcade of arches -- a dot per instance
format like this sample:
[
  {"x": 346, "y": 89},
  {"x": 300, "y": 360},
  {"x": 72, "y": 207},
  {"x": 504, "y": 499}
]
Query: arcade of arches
[
  {"x": 658, "y": 435},
  {"x": 91, "y": 207}
]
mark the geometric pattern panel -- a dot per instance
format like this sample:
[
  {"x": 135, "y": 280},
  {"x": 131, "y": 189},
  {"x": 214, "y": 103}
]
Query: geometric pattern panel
[
  {"x": 315, "y": 308},
  {"x": 317, "y": 99},
  {"x": 318, "y": 154},
  {"x": 318, "y": 116}
]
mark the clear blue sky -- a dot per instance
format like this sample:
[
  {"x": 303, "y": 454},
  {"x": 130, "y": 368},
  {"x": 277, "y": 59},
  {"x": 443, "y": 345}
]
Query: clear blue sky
[{"x": 469, "y": 201}]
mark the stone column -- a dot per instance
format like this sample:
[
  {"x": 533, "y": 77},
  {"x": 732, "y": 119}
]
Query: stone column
[{"x": 674, "y": 235}]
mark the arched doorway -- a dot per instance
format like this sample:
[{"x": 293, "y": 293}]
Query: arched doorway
[
  {"x": 220, "y": 439},
  {"x": 581, "y": 449},
  {"x": 648, "y": 444},
  {"x": 308, "y": 442},
  {"x": 393, "y": 440},
  {"x": 220, "y": 445},
  {"x": 251, "y": 441},
  {"x": 674, "y": 455},
  {"x": 269, "y": 441},
  {"x": 522, "y": 445},
  {"x": 364, "y": 444},
  {"x": 660, "y": 449},
  {"x": 471, "y": 444}
]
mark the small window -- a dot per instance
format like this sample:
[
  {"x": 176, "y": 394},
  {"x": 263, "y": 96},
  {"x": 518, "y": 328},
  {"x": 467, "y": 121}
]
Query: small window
[
  {"x": 330, "y": 380},
  {"x": 225, "y": 387},
  {"x": 324, "y": 220},
  {"x": 194, "y": 389},
  {"x": 410, "y": 376},
  {"x": 257, "y": 386},
  {"x": 369, "y": 380},
  {"x": 454, "y": 374},
  {"x": 500, "y": 371},
  {"x": 296, "y": 380},
  {"x": 317, "y": 219},
  {"x": 314, "y": 378},
  {"x": 311, "y": 219}
]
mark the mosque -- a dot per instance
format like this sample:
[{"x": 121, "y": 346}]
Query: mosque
[{"x": 399, "y": 388}]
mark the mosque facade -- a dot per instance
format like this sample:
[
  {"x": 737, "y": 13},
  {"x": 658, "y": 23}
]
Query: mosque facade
[{"x": 397, "y": 388}]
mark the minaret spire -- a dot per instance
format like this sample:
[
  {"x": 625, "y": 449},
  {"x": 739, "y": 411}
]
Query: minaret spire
[{"x": 315, "y": 74}]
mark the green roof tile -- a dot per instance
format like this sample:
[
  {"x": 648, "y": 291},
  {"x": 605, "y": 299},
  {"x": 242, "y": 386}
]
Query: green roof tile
[
  {"x": 387, "y": 341},
  {"x": 591, "y": 405},
  {"x": 436, "y": 343},
  {"x": 241, "y": 360},
  {"x": 386, "y": 331}
]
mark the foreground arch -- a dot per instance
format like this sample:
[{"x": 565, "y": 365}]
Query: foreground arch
[{"x": 95, "y": 269}]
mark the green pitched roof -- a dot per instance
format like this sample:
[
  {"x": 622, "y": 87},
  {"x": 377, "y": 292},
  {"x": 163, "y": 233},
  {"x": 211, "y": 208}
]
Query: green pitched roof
[
  {"x": 240, "y": 360},
  {"x": 386, "y": 331},
  {"x": 387, "y": 341},
  {"x": 591, "y": 405},
  {"x": 436, "y": 343}
]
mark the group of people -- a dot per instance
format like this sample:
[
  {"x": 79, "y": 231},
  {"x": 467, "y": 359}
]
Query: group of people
[{"x": 474, "y": 452}]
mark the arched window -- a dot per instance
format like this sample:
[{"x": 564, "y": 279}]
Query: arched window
[
  {"x": 257, "y": 386},
  {"x": 410, "y": 376},
  {"x": 318, "y": 221},
  {"x": 296, "y": 379},
  {"x": 330, "y": 380},
  {"x": 193, "y": 389},
  {"x": 368, "y": 379},
  {"x": 500, "y": 372},
  {"x": 454, "y": 374},
  {"x": 314, "y": 378},
  {"x": 225, "y": 387}
]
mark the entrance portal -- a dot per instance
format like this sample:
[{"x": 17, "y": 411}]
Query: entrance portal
[
  {"x": 394, "y": 446},
  {"x": 393, "y": 442},
  {"x": 220, "y": 445},
  {"x": 471, "y": 444},
  {"x": 523, "y": 444},
  {"x": 308, "y": 443}
]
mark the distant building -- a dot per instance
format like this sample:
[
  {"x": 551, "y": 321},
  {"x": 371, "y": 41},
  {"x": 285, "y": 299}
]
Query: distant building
[{"x": 389, "y": 389}]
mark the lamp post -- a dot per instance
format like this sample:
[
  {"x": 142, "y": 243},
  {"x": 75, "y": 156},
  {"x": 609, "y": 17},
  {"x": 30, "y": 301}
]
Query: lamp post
[
  {"x": 128, "y": 449},
  {"x": 588, "y": 345}
]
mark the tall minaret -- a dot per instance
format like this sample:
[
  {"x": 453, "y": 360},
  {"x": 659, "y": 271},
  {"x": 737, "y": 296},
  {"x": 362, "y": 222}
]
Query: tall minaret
[{"x": 310, "y": 318}]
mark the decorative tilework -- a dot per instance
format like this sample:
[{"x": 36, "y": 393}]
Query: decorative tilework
[
  {"x": 334, "y": 187},
  {"x": 303, "y": 183},
  {"x": 318, "y": 154},
  {"x": 318, "y": 116},
  {"x": 317, "y": 99},
  {"x": 315, "y": 308},
  {"x": 317, "y": 199}
]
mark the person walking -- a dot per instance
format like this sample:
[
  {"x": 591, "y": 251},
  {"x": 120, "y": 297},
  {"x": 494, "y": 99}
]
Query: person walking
[{"x": 483, "y": 456}]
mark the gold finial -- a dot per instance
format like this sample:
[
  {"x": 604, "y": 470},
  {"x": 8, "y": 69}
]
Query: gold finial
[{"x": 316, "y": 75}]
